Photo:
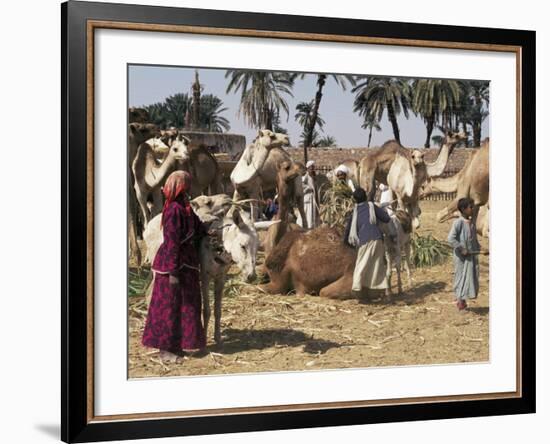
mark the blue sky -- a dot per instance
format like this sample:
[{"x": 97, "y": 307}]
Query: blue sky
[{"x": 149, "y": 84}]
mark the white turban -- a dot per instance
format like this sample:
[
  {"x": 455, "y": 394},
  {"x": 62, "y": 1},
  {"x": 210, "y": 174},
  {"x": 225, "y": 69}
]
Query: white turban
[
  {"x": 383, "y": 187},
  {"x": 342, "y": 169},
  {"x": 310, "y": 163}
]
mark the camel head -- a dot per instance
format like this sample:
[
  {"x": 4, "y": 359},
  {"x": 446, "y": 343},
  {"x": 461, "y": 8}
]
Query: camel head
[
  {"x": 417, "y": 157},
  {"x": 255, "y": 155},
  {"x": 450, "y": 140},
  {"x": 288, "y": 170},
  {"x": 139, "y": 115},
  {"x": 269, "y": 139},
  {"x": 168, "y": 135},
  {"x": 158, "y": 146},
  {"x": 179, "y": 148},
  {"x": 210, "y": 208},
  {"x": 140, "y": 132},
  {"x": 453, "y": 138},
  {"x": 241, "y": 241}
]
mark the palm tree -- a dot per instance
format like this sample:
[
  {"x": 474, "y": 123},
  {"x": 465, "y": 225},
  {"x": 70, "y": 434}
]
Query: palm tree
[
  {"x": 475, "y": 106},
  {"x": 176, "y": 107},
  {"x": 157, "y": 114},
  {"x": 276, "y": 120},
  {"x": 304, "y": 115},
  {"x": 209, "y": 114},
  {"x": 434, "y": 99},
  {"x": 371, "y": 123},
  {"x": 262, "y": 94},
  {"x": 173, "y": 110},
  {"x": 326, "y": 141},
  {"x": 341, "y": 80},
  {"x": 374, "y": 95},
  {"x": 314, "y": 142}
]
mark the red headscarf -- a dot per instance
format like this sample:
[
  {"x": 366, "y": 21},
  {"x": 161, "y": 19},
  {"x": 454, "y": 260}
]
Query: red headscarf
[{"x": 177, "y": 184}]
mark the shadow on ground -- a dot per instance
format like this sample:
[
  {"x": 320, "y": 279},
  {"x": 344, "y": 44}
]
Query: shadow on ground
[
  {"x": 237, "y": 340},
  {"x": 417, "y": 294},
  {"x": 481, "y": 311}
]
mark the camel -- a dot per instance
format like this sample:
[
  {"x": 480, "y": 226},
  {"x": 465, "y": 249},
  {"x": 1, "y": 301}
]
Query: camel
[
  {"x": 310, "y": 262},
  {"x": 482, "y": 221},
  {"x": 149, "y": 176},
  {"x": 138, "y": 133},
  {"x": 256, "y": 170},
  {"x": 404, "y": 171},
  {"x": 197, "y": 160},
  {"x": 397, "y": 242},
  {"x": 239, "y": 242},
  {"x": 471, "y": 181},
  {"x": 138, "y": 115},
  {"x": 287, "y": 172}
]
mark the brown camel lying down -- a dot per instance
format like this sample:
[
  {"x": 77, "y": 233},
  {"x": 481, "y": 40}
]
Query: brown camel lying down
[{"x": 315, "y": 261}]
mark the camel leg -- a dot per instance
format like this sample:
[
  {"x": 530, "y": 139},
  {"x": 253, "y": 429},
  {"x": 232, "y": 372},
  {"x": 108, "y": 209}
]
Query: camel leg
[
  {"x": 475, "y": 213},
  {"x": 339, "y": 289},
  {"x": 135, "y": 252},
  {"x": 218, "y": 293},
  {"x": 397, "y": 259},
  {"x": 408, "y": 262},
  {"x": 157, "y": 202},
  {"x": 205, "y": 301},
  {"x": 388, "y": 271},
  {"x": 142, "y": 200},
  {"x": 278, "y": 284}
]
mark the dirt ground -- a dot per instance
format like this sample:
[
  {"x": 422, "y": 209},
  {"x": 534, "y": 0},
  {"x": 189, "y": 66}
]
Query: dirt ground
[{"x": 281, "y": 333}]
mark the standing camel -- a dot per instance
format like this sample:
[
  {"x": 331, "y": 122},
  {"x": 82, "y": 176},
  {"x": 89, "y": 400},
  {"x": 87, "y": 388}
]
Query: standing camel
[
  {"x": 138, "y": 133},
  {"x": 257, "y": 169},
  {"x": 404, "y": 171},
  {"x": 288, "y": 171},
  {"x": 471, "y": 181},
  {"x": 149, "y": 176}
]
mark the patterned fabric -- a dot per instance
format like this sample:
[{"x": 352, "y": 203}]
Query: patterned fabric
[
  {"x": 174, "y": 316},
  {"x": 466, "y": 281}
]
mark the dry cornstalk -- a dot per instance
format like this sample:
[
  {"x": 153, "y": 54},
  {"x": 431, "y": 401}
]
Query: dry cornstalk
[{"x": 162, "y": 364}]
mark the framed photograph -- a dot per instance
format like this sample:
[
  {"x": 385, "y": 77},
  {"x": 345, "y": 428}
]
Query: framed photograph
[{"x": 275, "y": 221}]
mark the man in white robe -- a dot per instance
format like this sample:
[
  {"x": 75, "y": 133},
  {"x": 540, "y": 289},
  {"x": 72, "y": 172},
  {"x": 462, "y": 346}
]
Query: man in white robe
[{"x": 310, "y": 201}]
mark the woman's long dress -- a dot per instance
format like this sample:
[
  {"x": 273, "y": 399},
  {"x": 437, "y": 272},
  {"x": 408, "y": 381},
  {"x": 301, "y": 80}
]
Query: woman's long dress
[
  {"x": 174, "y": 317},
  {"x": 466, "y": 280}
]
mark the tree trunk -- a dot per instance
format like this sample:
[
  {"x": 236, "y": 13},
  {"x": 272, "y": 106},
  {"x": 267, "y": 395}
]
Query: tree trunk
[
  {"x": 393, "y": 121},
  {"x": 477, "y": 133},
  {"x": 370, "y": 137},
  {"x": 429, "y": 130},
  {"x": 315, "y": 110},
  {"x": 465, "y": 131}
]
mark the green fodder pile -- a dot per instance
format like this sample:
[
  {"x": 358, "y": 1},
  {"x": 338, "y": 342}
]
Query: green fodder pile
[{"x": 428, "y": 251}]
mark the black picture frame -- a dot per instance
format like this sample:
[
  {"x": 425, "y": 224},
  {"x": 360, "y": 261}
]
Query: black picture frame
[{"x": 77, "y": 328}]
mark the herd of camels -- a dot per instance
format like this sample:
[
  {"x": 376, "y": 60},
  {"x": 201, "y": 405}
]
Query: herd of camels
[{"x": 297, "y": 258}]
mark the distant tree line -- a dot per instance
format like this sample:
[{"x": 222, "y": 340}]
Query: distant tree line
[{"x": 445, "y": 104}]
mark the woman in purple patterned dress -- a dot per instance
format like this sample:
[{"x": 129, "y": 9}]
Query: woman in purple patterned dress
[{"x": 174, "y": 319}]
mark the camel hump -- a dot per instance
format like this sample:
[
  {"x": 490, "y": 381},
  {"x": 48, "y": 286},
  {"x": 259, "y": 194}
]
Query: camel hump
[{"x": 405, "y": 220}]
